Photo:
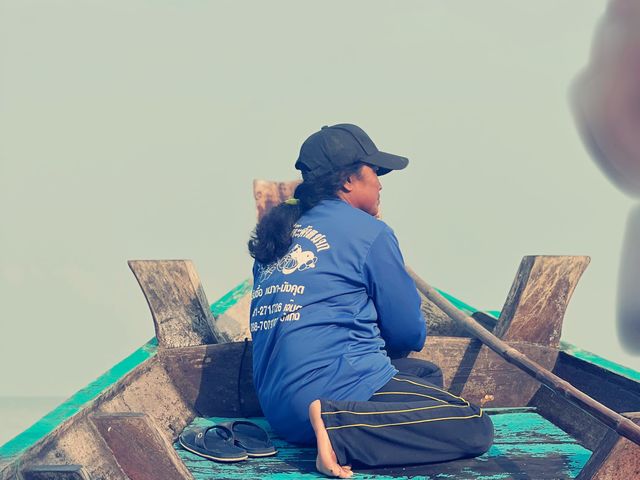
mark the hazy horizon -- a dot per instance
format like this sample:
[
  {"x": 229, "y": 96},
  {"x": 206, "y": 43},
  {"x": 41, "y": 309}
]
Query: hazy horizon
[{"x": 133, "y": 130}]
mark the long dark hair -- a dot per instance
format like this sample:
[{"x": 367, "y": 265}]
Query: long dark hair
[{"x": 271, "y": 238}]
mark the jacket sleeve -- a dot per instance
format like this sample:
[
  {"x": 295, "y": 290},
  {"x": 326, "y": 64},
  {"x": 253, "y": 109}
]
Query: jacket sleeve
[{"x": 402, "y": 325}]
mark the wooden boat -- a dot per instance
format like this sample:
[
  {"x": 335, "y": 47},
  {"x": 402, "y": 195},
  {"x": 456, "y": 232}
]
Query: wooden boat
[{"x": 197, "y": 369}]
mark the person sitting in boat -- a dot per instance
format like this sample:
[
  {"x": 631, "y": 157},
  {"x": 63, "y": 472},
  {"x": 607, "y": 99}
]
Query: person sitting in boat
[{"x": 332, "y": 303}]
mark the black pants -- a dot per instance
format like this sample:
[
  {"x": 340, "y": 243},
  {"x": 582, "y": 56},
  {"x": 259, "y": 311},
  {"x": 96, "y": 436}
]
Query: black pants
[{"x": 411, "y": 420}]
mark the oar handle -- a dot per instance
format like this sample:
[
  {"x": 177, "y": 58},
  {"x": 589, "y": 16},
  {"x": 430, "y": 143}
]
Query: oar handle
[{"x": 610, "y": 418}]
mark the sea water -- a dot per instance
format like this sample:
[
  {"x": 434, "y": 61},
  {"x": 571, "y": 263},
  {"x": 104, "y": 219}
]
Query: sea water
[{"x": 19, "y": 413}]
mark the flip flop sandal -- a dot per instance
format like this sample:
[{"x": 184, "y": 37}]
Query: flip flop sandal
[
  {"x": 251, "y": 437},
  {"x": 213, "y": 442}
]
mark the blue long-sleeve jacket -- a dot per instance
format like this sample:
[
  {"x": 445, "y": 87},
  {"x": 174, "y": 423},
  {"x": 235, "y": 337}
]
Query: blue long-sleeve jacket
[{"x": 323, "y": 315}]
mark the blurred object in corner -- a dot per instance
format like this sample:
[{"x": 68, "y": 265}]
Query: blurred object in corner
[
  {"x": 628, "y": 300},
  {"x": 605, "y": 96},
  {"x": 605, "y": 99}
]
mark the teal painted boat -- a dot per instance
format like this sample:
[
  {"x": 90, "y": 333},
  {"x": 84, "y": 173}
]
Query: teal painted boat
[{"x": 197, "y": 371}]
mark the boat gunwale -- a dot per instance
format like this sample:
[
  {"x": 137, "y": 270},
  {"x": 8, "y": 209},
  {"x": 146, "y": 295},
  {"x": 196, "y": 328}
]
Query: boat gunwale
[{"x": 101, "y": 389}]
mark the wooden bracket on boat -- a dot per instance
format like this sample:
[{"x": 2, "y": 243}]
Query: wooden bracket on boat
[
  {"x": 535, "y": 307},
  {"x": 214, "y": 380},
  {"x": 55, "y": 472},
  {"x": 139, "y": 448},
  {"x": 606, "y": 415},
  {"x": 614, "y": 458},
  {"x": 480, "y": 375},
  {"x": 178, "y": 304}
]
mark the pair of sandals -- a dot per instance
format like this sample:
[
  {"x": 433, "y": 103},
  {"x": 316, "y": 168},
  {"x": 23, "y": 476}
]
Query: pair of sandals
[{"x": 228, "y": 442}]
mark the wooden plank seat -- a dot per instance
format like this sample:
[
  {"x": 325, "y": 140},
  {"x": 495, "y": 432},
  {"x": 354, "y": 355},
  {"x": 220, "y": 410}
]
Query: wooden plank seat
[{"x": 526, "y": 446}]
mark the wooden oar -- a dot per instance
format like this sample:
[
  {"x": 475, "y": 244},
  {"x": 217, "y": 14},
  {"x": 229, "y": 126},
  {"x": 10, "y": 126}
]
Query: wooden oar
[{"x": 617, "y": 422}]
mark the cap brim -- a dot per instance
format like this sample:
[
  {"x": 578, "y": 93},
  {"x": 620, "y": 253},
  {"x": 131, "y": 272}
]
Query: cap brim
[{"x": 386, "y": 162}]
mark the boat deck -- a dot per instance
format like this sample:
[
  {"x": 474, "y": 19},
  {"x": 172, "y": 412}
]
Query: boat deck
[{"x": 526, "y": 446}]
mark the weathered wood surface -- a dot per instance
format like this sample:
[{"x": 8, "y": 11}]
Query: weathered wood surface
[
  {"x": 147, "y": 388},
  {"x": 526, "y": 447},
  {"x": 478, "y": 374},
  {"x": 214, "y": 379},
  {"x": 55, "y": 472},
  {"x": 615, "y": 391},
  {"x": 207, "y": 376},
  {"x": 177, "y": 301},
  {"x": 269, "y": 194},
  {"x": 140, "y": 450},
  {"x": 536, "y": 304},
  {"x": 615, "y": 458}
]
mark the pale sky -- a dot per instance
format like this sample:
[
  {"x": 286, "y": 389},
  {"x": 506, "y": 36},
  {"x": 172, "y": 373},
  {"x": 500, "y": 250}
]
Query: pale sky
[{"x": 133, "y": 130}]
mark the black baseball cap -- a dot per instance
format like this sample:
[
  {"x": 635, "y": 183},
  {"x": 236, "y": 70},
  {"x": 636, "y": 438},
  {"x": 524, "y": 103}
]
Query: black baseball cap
[{"x": 338, "y": 146}]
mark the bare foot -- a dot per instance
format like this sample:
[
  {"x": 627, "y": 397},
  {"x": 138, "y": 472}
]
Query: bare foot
[{"x": 326, "y": 461}]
